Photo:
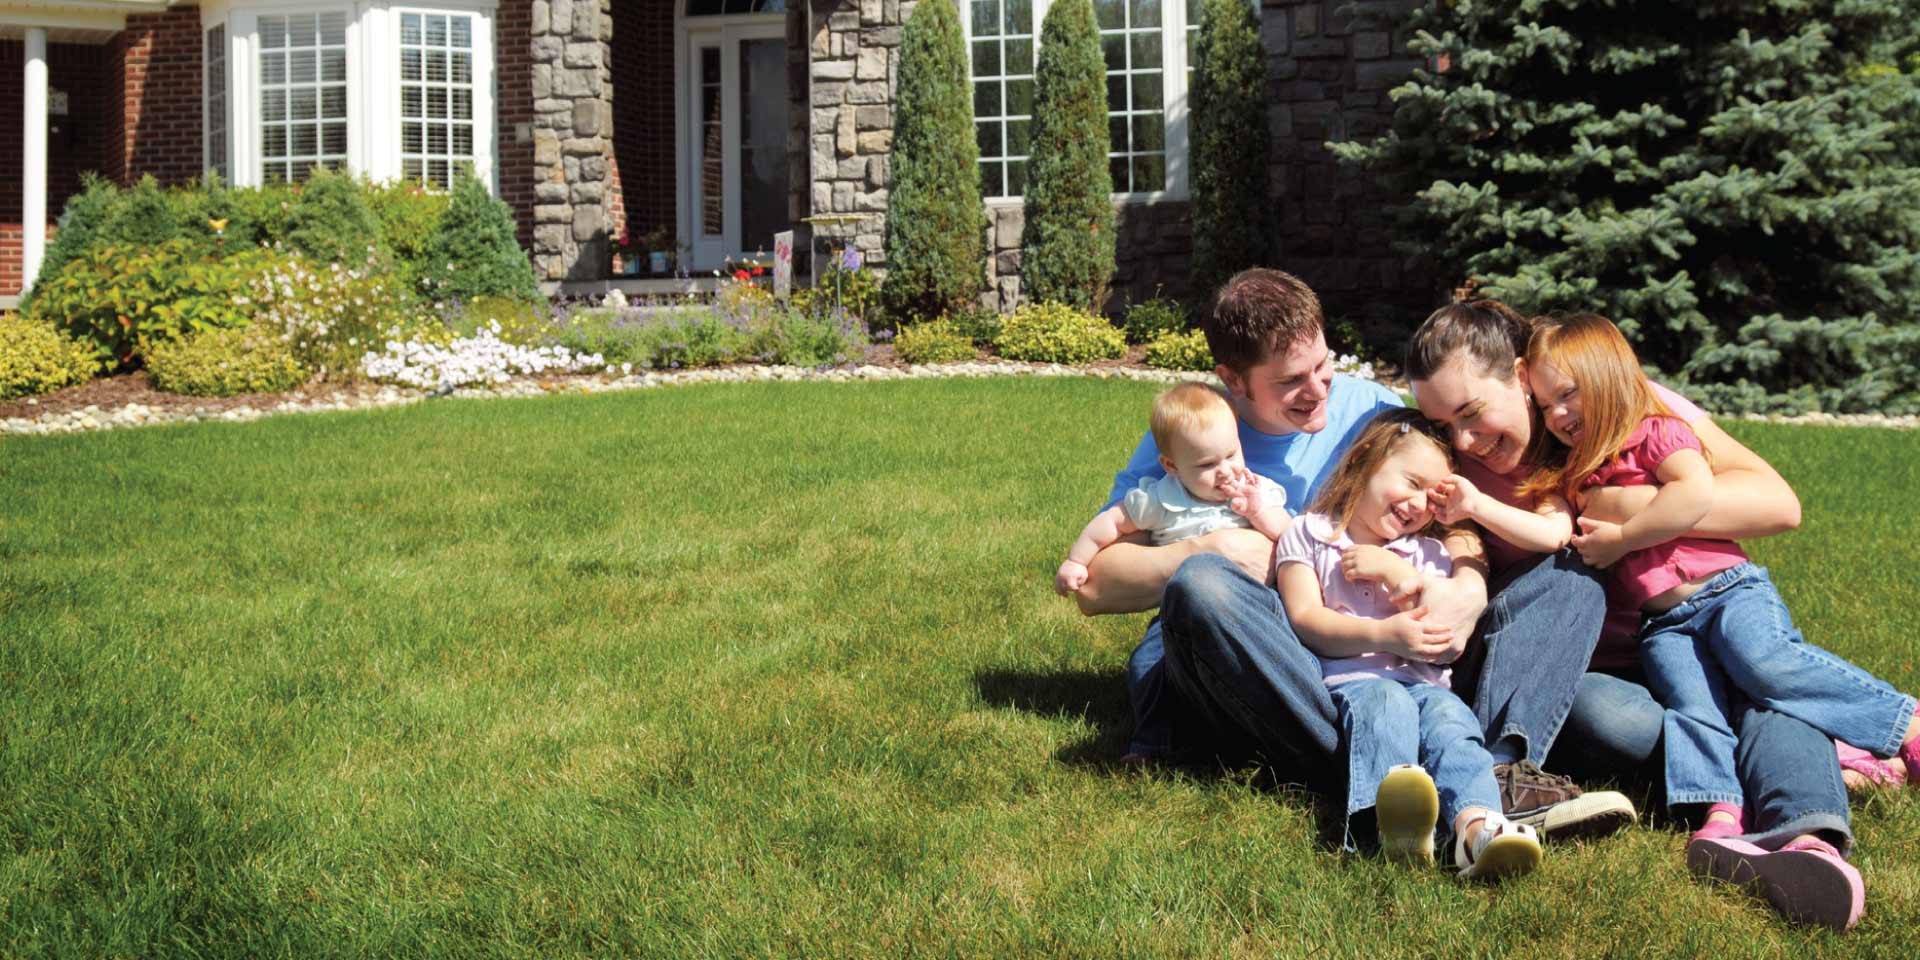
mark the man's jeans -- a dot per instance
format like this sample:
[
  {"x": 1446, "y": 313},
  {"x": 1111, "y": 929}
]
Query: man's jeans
[
  {"x": 1386, "y": 722},
  {"x": 1788, "y": 769},
  {"x": 1222, "y": 669}
]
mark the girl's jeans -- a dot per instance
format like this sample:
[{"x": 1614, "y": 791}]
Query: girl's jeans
[
  {"x": 1734, "y": 637},
  {"x": 1221, "y": 671},
  {"x": 1386, "y": 722}
]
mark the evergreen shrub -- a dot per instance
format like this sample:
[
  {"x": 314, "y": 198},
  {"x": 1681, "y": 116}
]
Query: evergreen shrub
[
  {"x": 1067, "y": 243},
  {"x": 410, "y": 216},
  {"x": 1180, "y": 351},
  {"x": 936, "y": 231},
  {"x": 1148, "y": 319},
  {"x": 223, "y": 363},
  {"x": 1720, "y": 179},
  {"x": 475, "y": 253},
  {"x": 37, "y": 358},
  {"x": 1058, "y": 333},
  {"x": 332, "y": 221},
  {"x": 936, "y": 341},
  {"x": 977, "y": 323},
  {"x": 86, "y": 213},
  {"x": 1232, "y": 220}
]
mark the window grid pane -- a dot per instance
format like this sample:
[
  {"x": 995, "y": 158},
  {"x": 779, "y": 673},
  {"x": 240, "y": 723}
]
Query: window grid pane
[
  {"x": 1003, "y": 58},
  {"x": 1131, "y": 35},
  {"x": 303, "y": 95},
  {"x": 217, "y": 100},
  {"x": 436, "y": 96}
]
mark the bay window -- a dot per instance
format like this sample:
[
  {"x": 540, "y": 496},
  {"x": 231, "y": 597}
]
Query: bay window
[{"x": 384, "y": 90}]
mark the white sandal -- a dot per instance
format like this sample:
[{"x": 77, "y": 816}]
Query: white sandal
[{"x": 1501, "y": 849}]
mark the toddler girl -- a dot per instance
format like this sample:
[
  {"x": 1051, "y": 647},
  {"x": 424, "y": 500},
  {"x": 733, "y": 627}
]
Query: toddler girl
[
  {"x": 1713, "y": 625},
  {"x": 1415, "y": 752},
  {"x": 1207, "y": 486}
]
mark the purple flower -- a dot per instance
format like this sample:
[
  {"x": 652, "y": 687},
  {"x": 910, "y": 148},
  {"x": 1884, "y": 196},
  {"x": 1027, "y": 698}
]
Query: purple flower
[{"x": 850, "y": 259}]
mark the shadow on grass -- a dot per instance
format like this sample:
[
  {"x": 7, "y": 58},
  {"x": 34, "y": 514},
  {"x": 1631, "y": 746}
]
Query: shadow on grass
[{"x": 1099, "y": 697}]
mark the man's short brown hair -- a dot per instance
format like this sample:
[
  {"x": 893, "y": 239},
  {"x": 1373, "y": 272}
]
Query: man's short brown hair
[{"x": 1257, "y": 314}]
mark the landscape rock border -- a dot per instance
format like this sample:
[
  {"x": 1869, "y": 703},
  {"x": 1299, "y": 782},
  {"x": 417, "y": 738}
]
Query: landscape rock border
[{"x": 92, "y": 418}]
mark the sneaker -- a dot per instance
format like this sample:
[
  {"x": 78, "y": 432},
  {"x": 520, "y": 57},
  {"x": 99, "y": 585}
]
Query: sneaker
[
  {"x": 1500, "y": 849},
  {"x": 1805, "y": 881},
  {"x": 1552, "y": 805},
  {"x": 1405, "y": 808},
  {"x": 1719, "y": 829}
]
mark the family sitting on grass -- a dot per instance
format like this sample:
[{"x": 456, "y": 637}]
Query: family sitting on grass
[{"x": 1426, "y": 610}]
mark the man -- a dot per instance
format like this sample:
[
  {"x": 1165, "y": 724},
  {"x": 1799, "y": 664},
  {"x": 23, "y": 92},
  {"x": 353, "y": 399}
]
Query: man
[{"x": 1221, "y": 671}]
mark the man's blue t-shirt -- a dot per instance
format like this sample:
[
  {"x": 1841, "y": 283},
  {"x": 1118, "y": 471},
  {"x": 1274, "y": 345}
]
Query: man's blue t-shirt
[{"x": 1299, "y": 462}]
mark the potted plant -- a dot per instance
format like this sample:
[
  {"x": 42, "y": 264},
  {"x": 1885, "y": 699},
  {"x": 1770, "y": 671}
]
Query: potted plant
[
  {"x": 660, "y": 246},
  {"x": 626, "y": 254}
]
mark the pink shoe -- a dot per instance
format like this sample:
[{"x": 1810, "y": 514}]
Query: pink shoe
[
  {"x": 1717, "y": 829},
  {"x": 1877, "y": 772},
  {"x": 1805, "y": 881},
  {"x": 1910, "y": 755}
]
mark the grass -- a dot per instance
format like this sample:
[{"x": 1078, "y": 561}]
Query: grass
[{"x": 747, "y": 670}]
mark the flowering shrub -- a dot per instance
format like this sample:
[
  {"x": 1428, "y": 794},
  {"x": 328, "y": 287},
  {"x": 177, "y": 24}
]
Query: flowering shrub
[
  {"x": 467, "y": 361},
  {"x": 329, "y": 316},
  {"x": 36, "y": 358},
  {"x": 1056, "y": 333},
  {"x": 805, "y": 339},
  {"x": 1353, "y": 366},
  {"x": 120, "y": 299},
  {"x": 938, "y": 341},
  {"x": 221, "y": 363},
  {"x": 1180, "y": 351}
]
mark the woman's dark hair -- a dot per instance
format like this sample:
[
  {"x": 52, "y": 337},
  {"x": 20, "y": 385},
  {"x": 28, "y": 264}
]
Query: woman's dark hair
[{"x": 1491, "y": 332}]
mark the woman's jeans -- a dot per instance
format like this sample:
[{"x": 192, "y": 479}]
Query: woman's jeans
[
  {"x": 1386, "y": 723},
  {"x": 1734, "y": 636},
  {"x": 1786, "y": 768},
  {"x": 1221, "y": 671}
]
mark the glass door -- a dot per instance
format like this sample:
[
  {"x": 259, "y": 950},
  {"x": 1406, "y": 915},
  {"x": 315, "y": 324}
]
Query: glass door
[{"x": 737, "y": 124}]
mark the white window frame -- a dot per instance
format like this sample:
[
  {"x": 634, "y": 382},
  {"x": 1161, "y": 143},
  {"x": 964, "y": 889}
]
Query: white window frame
[
  {"x": 1173, "y": 93},
  {"x": 373, "y": 81}
]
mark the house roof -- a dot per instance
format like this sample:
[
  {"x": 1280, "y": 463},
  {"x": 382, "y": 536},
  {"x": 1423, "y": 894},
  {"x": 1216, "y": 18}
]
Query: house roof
[{"x": 72, "y": 21}]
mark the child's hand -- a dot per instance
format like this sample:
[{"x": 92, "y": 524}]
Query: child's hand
[
  {"x": 1245, "y": 494},
  {"x": 1455, "y": 499},
  {"x": 1412, "y": 637},
  {"x": 1366, "y": 562},
  {"x": 1068, "y": 580},
  {"x": 1601, "y": 544}
]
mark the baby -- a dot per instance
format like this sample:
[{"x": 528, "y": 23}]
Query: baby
[{"x": 1207, "y": 486}]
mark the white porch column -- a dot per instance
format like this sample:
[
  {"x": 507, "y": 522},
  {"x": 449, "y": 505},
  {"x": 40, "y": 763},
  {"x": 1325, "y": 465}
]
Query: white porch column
[{"x": 33, "y": 218}]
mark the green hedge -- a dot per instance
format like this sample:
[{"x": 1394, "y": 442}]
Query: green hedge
[
  {"x": 1057, "y": 333},
  {"x": 36, "y": 358}
]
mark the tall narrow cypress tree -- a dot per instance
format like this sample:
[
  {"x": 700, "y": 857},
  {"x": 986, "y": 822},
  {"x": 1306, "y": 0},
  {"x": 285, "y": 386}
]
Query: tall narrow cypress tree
[
  {"x": 1067, "y": 243},
  {"x": 936, "y": 223},
  {"x": 1232, "y": 222}
]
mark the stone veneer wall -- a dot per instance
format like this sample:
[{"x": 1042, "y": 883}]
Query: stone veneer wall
[
  {"x": 1330, "y": 67},
  {"x": 572, "y": 137},
  {"x": 854, "y": 54}
]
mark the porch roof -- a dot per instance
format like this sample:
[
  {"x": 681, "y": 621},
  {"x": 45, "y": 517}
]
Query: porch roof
[{"x": 73, "y": 21}]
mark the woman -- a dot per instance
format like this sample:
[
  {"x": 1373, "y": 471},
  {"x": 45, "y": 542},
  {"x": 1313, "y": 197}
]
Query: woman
[{"x": 1465, "y": 364}]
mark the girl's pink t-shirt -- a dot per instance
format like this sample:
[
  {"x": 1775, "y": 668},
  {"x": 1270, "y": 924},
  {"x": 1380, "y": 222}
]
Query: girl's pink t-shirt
[{"x": 1616, "y": 647}]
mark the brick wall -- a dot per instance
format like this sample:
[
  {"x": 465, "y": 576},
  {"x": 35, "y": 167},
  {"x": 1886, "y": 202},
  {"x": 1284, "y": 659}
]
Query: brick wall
[
  {"x": 513, "y": 72},
  {"x": 76, "y": 143},
  {"x": 643, "y": 177},
  {"x": 1330, "y": 65},
  {"x": 157, "y": 131}
]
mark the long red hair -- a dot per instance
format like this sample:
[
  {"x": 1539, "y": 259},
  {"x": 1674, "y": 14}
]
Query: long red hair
[{"x": 1614, "y": 397}]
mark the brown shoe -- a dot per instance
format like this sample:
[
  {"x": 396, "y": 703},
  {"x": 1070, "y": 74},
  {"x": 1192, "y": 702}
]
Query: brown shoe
[{"x": 1552, "y": 804}]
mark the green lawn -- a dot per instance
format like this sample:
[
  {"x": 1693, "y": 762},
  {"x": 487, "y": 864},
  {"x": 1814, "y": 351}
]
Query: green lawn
[{"x": 752, "y": 670}]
